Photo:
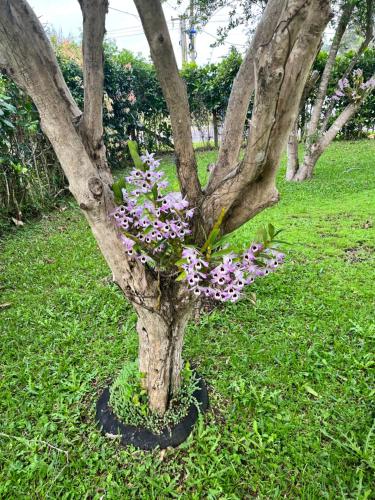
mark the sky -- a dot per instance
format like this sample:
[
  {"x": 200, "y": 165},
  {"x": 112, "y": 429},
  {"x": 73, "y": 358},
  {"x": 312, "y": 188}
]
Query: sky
[{"x": 125, "y": 27}]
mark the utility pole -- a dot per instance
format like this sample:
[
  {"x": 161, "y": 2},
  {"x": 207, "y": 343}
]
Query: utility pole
[
  {"x": 192, "y": 33},
  {"x": 183, "y": 41},
  {"x": 188, "y": 50}
]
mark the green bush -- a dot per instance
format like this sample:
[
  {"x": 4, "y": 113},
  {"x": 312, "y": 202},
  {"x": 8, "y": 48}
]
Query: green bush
[{"x": 30, "y": 176}]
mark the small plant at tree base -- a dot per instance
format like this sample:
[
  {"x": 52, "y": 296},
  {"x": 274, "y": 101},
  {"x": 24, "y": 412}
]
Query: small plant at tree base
[
  {"x": 155, "y": 229},
  {"x": 129, "y": 400}
]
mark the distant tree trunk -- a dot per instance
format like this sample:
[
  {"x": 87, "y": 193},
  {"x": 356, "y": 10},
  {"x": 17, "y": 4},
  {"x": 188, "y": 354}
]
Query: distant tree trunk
[
  {"x": 316, "y": 149},
  {"x": 305, "y": 171},
  {"x": 216, "y": 128},
  {"x": 292, "y": 153},
  {"x": 292, "y": 146},
  {"x": 318, "y": 138}
]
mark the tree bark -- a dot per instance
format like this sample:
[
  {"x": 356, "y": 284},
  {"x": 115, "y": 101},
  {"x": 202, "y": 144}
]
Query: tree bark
[
  {"x": 161, "y": 337},
  {"x": 292, "y": 146},
  {"x": 347, "y": 10},
  {"x": 282, "y": 67},
  {"x": 216, "y": 129},
  {"x": 175, "y": 94},
  {"x": 93, "y": 12},
  {"x": 292, "y": 153},
  {"x": 242, "y": 89},
  {"x": 306, "y": 169}
]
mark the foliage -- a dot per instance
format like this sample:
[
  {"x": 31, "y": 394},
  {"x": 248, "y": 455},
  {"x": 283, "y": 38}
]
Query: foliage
[
  {"x": 241, "y": 13},
  {"x": 209, "y": 87},
  {"x": 130, "y": 402},
  {"x": 296, "y": 419},
  {"x": 29, "y": 174},
  {"x": 134, "y": 105}
]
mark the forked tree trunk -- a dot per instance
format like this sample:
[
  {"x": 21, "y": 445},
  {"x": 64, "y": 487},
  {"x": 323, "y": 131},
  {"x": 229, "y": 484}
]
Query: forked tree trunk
[
  {"x": 305, "y": 171},
  {"x": 292, "y": 153},
  {"x": 317, "y": 149}
]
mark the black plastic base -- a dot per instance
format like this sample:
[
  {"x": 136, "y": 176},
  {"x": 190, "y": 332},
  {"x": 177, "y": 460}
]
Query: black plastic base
[{"x": 143, "y": 438}]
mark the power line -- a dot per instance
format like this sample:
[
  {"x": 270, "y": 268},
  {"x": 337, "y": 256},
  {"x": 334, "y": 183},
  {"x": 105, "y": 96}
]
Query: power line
[
  {"x": 124, "y": 12},
  {"x": 124, "y": 36},
  {"x": 129, "y": 29},
  {"x": 228, "y": 43}
]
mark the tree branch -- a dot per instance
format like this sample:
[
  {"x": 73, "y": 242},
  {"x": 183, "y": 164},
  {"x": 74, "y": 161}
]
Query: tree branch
[
  {"x": 15, "y": 17},
  {"x": 31, "y": 63},
  {"x": 242, "y": 89},
  {"x": 347, "y": 10},
  {"x": 341, "y": 121},
  {"x": 369, "y": 37},
  {"x": 174, "y": 90},
  {"x": 93, "y": 12},
  {"x": 282, "y": 69}
]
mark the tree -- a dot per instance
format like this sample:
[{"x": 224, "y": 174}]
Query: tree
[
  {"x": 276, "y": 66},
  {"x": 320, "y": 129}
]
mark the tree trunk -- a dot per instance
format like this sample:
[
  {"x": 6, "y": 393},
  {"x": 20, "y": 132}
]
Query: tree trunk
[
  {"x": 216, "y": 129},
  {"x": 318, "y": 148},
  {"x": 292, "y": 152},
  {"x": 161, "y": 335},
  {"x": 306, "y": 169}
]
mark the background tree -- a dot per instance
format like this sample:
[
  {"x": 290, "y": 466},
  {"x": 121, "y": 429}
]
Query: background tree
[
  {"x": 276, "y": 66},
  {"x": 321, "y": 130}
]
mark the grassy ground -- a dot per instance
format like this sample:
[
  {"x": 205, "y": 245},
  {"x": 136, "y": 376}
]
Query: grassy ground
[{"x": 291, "y": 380}]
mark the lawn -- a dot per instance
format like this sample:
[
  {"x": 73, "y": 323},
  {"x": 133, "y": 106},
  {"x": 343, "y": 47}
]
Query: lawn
[{"x": 291, "y": 379}]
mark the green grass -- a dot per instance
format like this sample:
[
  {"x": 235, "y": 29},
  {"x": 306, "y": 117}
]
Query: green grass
[{"x": 291, "y": 380}]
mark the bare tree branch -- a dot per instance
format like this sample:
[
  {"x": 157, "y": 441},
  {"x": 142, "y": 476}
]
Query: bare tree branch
[
  {"x": 94, "y": 12},
  {"x": 279, "y": 86},
  {"x": 242, "y": 89},
  {"x": 174, "y": 90},
  {"x": 369, "y": 37},
  {"x": 31, "y": 63},
  {"x": 342, "y": 24}
]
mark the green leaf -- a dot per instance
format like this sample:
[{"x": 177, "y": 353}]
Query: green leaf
[
  {"x": 8, "y": 123},
  {"x": 311, "y": 391},
  {"x": 155, "y": 191},
  {"x": 117, "y": 190},
  {"x": 180, "y": 262},
  {"x": 133, "y": 149},
  {"x": 271, "y": 230},
  {"x": 181, "y": 276},
  {"x": 214, "y": 232}
]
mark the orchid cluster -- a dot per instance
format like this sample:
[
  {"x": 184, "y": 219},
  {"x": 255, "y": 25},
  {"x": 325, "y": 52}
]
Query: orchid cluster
[
  {"x": 155, "y": 228},
  {"x": 355, "y": 90},
  {"x": 225, "y": 280},
  {"x": 153, "y": 225}
]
